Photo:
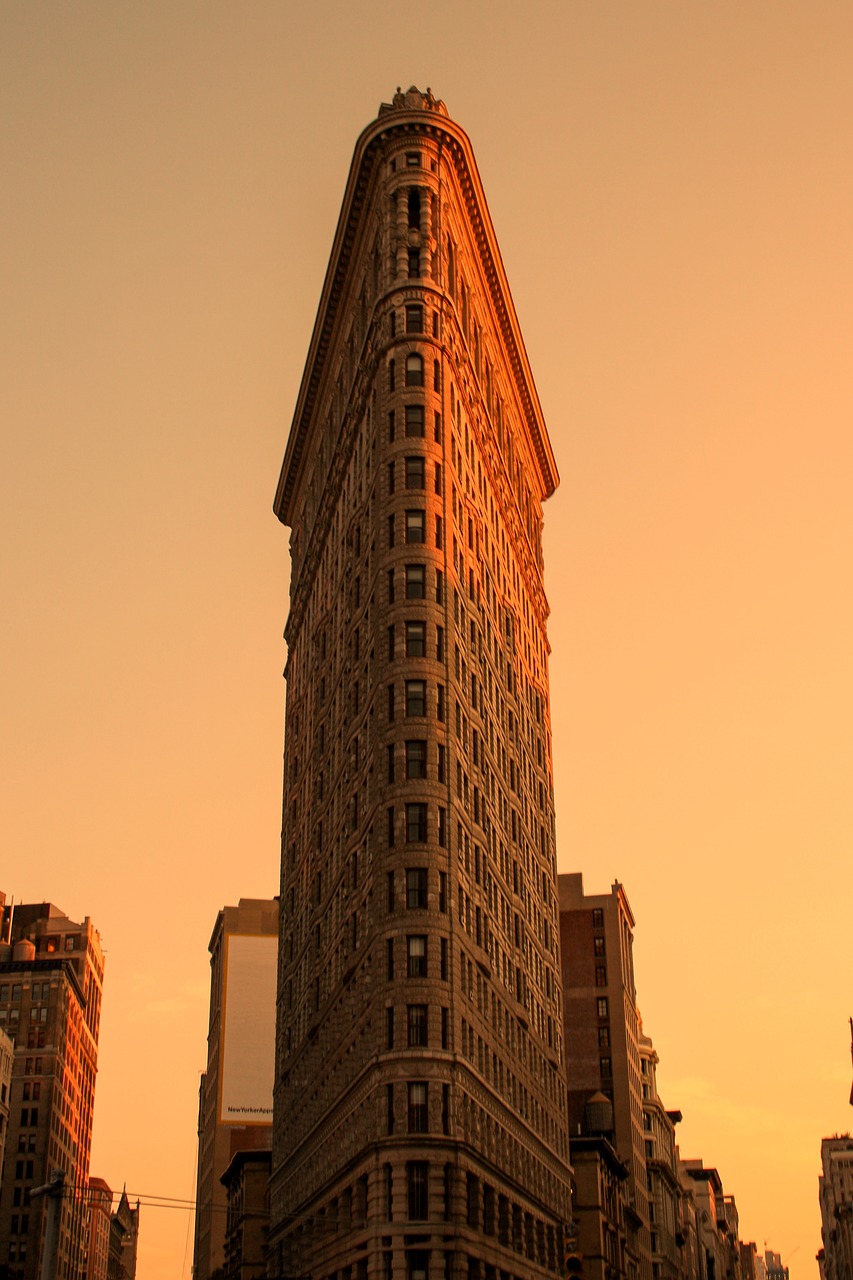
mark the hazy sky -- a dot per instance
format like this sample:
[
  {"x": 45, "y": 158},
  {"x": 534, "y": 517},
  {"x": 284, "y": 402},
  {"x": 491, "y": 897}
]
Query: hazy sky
[{"x": 672, "y": 188}]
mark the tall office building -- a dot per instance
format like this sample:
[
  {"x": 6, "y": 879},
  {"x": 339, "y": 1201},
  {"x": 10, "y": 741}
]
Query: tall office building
[
  {"x": 51, "y": 980},
  {"x": 602, "y": 1037},
  {"x": 420, "y": 1107},
  {"x": 235, "y": 1095}
]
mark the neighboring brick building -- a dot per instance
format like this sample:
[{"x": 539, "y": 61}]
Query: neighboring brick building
[
  {"x": 602, "y": 1038},
  {"x": 100, "y": 1215},
  {"x": 420, "y": 1111},
  {"x": 51, "y": 979},
  {"x": 836, "y": 1208},
  {"x": 240, "y": 1062}
]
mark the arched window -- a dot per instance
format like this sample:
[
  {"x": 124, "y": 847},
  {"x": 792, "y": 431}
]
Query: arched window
[{"x": 414, "y": 370}]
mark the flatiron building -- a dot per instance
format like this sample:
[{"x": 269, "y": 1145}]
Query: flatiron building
[{"x": 420, "y": 1111}]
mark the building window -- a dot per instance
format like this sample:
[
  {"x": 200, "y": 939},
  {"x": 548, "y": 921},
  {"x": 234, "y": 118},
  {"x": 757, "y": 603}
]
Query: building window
[
  {"x": 414, "y": 263},
  {"x": 415, "y": 473},
  {"x": 415, "y": 582},
  {"x": 415, "y": 639},
  {"x": 417, "y": 1177},
  {"x": 389, "y": 1107},
  {"x": 391, "y": 646},
  {"x": 601, "y": 975},
  {"x": 437, "y": 428},
  {"x": 415, "y": 758},
  {"x": 392, "y": 375},
  {"x": 390, "y": 704},
  {"x": 414, "y": 370},
  {"x": 389, "y": 1027},
  {"x": 416, "y": 823},
  {"x": 417, "y": 1023},
  {"x": 417, "y": 1263},
  {"x": 418, "y": 1109},
  {"x": 389, "y": 959},
  {"x": 436, "y": 376},
  {"x": 414, "y": 318},
  {"x": 415, "y": 697},
  {"x": 416, "y": 955},
  {"x": 415, "y": 421},
  {"x": 604, "y": 1037},
  {"x": 415, "y": 526},
  {"x": 598, "y": 917},
  {"x": 390, "y": 754},
  {"x": 605, "y": 1068},
  {"x": 416, "y": 887},
  {"x": 603, "y": 1011},
  {"x": 598, "y": 945}
]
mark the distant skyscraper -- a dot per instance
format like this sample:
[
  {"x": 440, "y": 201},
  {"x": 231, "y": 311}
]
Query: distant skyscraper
[
  {"x": 235, "y": 1098},
  {"x": 420, "y": 1112},
  {"x": 51, "y": 980}
]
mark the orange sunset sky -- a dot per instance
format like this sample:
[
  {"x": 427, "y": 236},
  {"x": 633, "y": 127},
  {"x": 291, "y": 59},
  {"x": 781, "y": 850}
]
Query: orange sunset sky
[{"x": 672, "y": 188}]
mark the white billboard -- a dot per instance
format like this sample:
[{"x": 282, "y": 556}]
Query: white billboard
[{"x": 247, "y": 1046}]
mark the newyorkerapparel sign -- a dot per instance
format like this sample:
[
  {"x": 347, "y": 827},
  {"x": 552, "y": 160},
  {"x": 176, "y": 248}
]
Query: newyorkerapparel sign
[{"x": 248, "y": 1038}]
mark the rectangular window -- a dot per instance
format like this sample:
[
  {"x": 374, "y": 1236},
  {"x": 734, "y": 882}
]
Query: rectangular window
[
  {"x": 440, "y": 704},
  {"x": 414, "y": 318},
  {"x": 390, "y": 755},
  {"x": 390, "y": 817},
  {"x": 416, "y": 955},
  {"x": 439, "y": 532},
  {"x": 416, "y": 888},
  {"x": 606, "y": 1068},
  {"x": 391, "y": 643},
  {"x": 415, "y": 473},
  {"x": 415, "y": 582},
  {"x": 389, "y": 1027},
  {"x": 443, "y": 961},
  {"x": 415, "y": 697},
  {"x": 602, "y": 1007},
  {"x": 415, "y": 421},
  {"x": 437, "y": 480},
  {"x": 415, "y": 526},
  {"x": 389, "y": 1107},
  {"x": 445, "y": 1026},
  {"x": 391, "y": 431},
  {"x": 392, "y": 902},
  {"x": 391, "y": 532},
  {"x": 441, "y": 769},
  {"x": 417, "y": 1172},
  {"x": 389, "y": 959},
  {"x": 416, "y": 823},
  {"x": 415, "y": 639},
  {"x": 390, "y": 586},
  {"x": 442, "y": 824},
  {"x": 598, "y": 945},
  {"x": 437, "y": 428},
  {"x": 418, "y": 1107},
  {"x": 417, "y": 1024},
  {"x": 601, "y": 975},
  {"x": 604, "y": 1037},
  {"x": 414, "y": 263},
  {"x": 390, "y": 704},
  {"x": 598, "y": 917},
  {"x": 416, "y": 758}
]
